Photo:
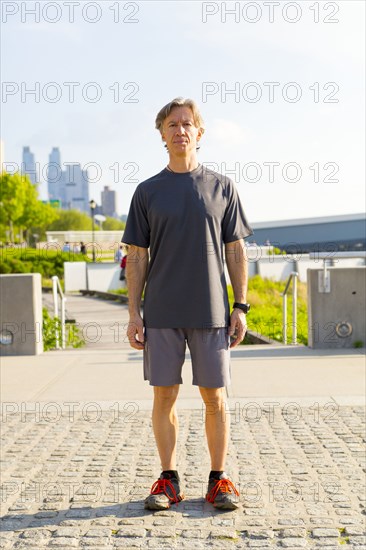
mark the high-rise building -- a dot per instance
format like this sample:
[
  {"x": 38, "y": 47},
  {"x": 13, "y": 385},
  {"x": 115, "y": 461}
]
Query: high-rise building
[
  {"x": 109, "y": 202},
  {"x": 69, "y": 186},
  {"x": 76, "y": 183},
  {"x": 29, "y": 166},
  {"x": 55, "y": 184}
]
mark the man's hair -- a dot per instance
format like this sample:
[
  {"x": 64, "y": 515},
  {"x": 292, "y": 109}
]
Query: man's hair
[{"x": 180, "y": 102}]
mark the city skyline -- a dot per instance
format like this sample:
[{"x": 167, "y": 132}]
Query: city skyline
[{"x": 67, "y": 183}]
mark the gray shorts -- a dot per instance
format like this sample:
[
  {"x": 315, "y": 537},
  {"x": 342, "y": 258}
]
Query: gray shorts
[{"x": 165, "y": 350}]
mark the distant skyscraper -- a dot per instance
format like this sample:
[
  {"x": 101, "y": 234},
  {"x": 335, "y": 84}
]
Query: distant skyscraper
[
  {"x": 109, "y": 202},
  {"x": 76, "y": 183},
  {"x": 69, "y": 186},
  {"x": 55, "y": 184},
  {"x": 29, "y": 166}
]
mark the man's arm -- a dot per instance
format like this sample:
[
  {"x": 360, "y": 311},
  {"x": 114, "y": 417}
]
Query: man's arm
[
  {"x": 136, "y": 272},
  {"x": 237, "y": 265}
]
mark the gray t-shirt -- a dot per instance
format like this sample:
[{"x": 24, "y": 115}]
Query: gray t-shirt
[{"x": 184, "y": 218}]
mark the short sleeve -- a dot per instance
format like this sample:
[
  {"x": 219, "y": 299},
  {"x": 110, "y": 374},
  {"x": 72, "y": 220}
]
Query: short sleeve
[
  {"x": 137, "y": 230},
  {"x": 234, "y": 224}
]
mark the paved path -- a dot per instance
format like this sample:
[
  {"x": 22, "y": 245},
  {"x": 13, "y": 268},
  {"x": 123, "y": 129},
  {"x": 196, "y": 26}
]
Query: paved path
[
  {"x": 102, "y": 322},
  {"x": 78, "y": 453}
]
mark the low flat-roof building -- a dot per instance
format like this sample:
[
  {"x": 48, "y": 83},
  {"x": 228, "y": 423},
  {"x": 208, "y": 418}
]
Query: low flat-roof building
[{"x": 329, "y": 233}]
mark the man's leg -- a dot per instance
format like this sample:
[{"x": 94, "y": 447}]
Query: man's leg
[
  {"x": 217, "y": 425},
  {"x": 165, "y": 424},
  {"x": 164, "y": 355},
  {"x": 166, "y": 490},
  {"x": 221, "y": 492}
]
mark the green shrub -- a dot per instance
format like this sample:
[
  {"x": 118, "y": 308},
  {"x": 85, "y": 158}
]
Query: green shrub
[
  {"x": 53, "y": 324},
  {"x": 5, "y": 268},
  {"x": 29, "y": 260},
  {"x": 14, "y": 265}
]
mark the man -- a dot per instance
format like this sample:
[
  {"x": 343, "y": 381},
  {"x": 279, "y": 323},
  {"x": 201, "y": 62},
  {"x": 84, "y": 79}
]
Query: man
[
  {"x": 185, "y": 215},
  {"x": 119, "y": 255}
]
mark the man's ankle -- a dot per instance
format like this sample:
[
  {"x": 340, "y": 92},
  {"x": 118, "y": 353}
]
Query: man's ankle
[
  {"x": 215, "y": 474},
  {"x": 171, "y": 474}
]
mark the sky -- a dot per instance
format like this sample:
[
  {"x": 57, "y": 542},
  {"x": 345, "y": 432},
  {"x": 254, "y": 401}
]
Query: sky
[{"x": 280, "y": 86}]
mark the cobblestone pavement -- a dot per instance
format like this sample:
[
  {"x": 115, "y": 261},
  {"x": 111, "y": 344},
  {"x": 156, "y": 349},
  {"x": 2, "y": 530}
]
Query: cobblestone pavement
[{"x": 79, "y": 481}]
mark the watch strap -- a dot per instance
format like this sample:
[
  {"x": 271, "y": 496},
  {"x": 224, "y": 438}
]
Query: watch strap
[{"x": 244, "y": 307}]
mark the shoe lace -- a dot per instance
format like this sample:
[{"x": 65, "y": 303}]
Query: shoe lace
[
  {"x": 161, "y": 486},
  {"x": 224, "y": 486}
]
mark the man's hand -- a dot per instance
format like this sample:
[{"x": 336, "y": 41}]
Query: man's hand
[
  {"x": 136, "y": 327},
  {"x": 238, "y": 327}
]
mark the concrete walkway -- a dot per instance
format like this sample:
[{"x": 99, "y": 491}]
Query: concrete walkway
[{"x": 78, "y": 453}]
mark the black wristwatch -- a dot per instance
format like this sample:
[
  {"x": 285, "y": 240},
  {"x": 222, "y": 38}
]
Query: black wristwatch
[{"x": 243, "y": 307}]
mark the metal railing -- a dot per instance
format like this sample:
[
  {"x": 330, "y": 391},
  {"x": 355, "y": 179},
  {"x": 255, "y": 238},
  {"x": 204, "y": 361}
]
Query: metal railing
[
  {"x": 293, "y": 276},
  {"x": 56, "y": 287}
]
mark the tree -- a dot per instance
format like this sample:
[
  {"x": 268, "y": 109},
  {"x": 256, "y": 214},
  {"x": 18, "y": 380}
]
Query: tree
[
  {"x": 21, "y": 207},
  {"x": 71, "y": 220},
  {"x": 112, "y": 224},
  {"x": 13, "y": 195},
  {"x": 36, "y": 215}
]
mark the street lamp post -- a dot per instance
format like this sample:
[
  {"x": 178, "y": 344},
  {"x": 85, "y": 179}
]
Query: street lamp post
[{"x": 93, "y": 206}]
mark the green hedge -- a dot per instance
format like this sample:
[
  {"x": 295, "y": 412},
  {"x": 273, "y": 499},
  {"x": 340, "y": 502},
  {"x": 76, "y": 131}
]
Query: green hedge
[{"x": 44, "y": 261}]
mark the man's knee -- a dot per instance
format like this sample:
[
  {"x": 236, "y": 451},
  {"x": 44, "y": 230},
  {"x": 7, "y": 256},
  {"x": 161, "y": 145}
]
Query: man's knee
[
  {"x": 166, "y": 396},
  {"x": 214, "y": 399}
]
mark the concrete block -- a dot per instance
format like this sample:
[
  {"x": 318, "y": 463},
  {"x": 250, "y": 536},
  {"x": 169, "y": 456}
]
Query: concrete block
[
  {"x": 103, "y": 276},
  {"x": 21, "y": 314},
  {"x": 75, "y": 276},
  {"x": 336, "y": 318}
]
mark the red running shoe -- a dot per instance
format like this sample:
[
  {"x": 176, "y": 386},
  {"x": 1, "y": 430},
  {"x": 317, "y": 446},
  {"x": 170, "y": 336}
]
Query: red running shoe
[
  {"x": 222, "y": 493},
  {"x": 164, "y": 492}
]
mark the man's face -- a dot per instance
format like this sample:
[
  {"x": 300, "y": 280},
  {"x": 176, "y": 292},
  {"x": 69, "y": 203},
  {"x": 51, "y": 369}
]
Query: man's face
[{"x": 179, "y": 131}]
